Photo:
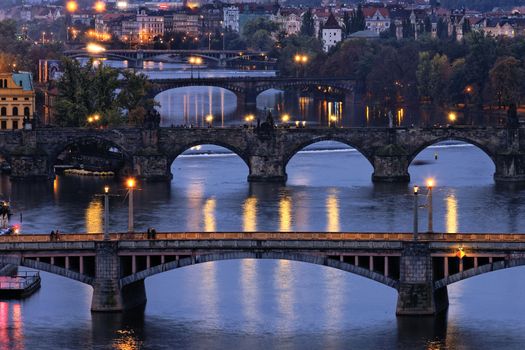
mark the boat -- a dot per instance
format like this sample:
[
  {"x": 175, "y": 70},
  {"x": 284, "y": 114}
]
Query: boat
[{"x": 21, "y": 285}]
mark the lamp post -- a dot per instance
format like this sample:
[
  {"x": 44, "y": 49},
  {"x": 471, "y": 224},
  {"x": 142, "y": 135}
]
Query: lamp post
[
  {"x": 300, "y": 60},
  {"x": 416, "y": 207},
  {"x": 430, "y": 185},
  {"x": 106, "y": 213},
  {"x": 209, "y": 120},
  {"x": 130, "y": 183}
]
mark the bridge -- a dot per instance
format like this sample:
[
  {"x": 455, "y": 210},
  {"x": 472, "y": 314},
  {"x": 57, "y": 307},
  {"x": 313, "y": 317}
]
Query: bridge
[
  {"x": 149, "y": 153},
  {"x": 420, "y": 270},
  {"x": 136, "y": 58},
  {"x": 247, "y": 89}
]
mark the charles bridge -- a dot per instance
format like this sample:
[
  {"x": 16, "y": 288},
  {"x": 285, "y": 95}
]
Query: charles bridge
[
  {"x": 419, "y": 270},
  {"x": 149, "y": 153}
]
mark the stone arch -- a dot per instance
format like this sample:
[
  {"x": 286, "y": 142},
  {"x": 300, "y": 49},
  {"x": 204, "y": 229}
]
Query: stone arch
[
  {"x": 306, "y": 258},
  {"x": 480, "y": 270},
  {"x": 297, "y": 148},
  {"x": 127, "y": 157},
  {"x": 475, "y": 143},
  {"x": 42, "y": 266},
  {"x": 179, "y": 150}
]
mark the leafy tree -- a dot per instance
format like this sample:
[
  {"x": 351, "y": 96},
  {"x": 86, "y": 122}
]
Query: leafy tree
[
  {"x": 506, "y": 79},
  {"x": 423, "y": 72},
  {"x": 303, "y": 44},
  {"x": 258, "y": 33},
  {"x": 479, "y": 60},
  {"x": 308, "y": 25},
  {"x": 358, "y": 21},
  {"x": 347, "y": 23}
]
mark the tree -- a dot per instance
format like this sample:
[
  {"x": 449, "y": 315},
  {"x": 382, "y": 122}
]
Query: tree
[
  {"x": 423, "y": 72},
  {"x": 358, "y": 21},
  {"x": 258, "y": 33},
  {"x": 347, "y": 23},
  {"x": 479, "y": 60},
  {"x": 506, "y": 77},
  {"x": 308, "y": 25}
]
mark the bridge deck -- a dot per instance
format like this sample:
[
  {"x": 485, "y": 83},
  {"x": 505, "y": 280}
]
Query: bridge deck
[{"x": 295, "y": 236}]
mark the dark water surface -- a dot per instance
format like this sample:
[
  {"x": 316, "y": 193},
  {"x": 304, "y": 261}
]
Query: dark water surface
[{"x": 275, "y": 304}]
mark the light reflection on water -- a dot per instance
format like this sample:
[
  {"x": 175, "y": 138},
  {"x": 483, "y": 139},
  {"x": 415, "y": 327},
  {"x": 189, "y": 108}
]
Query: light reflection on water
[{"x": 277, "y": 304}]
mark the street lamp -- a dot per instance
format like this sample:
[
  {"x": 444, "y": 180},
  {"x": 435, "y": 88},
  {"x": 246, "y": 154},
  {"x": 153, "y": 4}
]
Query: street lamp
[
  {"x": 249, "y": 119},
  {"x": 285, "y": 118},
  {"x": 300, "y": 60},
  {"x": 452, "y": 117},
  {"x": 71, "y": 6},
  {"x": 416, "y": 207},
  {"x": 430, "y": 185},
  {"x": 209, "y": 120},
  {"x": 194, "y": 61},
  {"x": 332, "y": 120},
  {"x": 130, "y": 183},
  {"x": 106, "y": 213},
  {"x": 100, "y": 6}
]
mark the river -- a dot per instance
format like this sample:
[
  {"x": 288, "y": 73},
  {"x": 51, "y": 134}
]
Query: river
[{"x": 275, "y": 304}]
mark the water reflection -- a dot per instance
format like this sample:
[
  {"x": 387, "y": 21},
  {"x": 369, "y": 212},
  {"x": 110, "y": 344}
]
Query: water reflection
[
  {"x": 250, "y": 214},
  {"x": 452, "y": 212},
  {"x": 11, "y": 326},
  {"x": 285, "y": 287},
  {"x": 209, "y": 215},
  {"x": 94, "y": 214},
  {"x": 250, "y": 293},
  {"x": 332, "y": 212},
  {"x": 285, "y": 213}
]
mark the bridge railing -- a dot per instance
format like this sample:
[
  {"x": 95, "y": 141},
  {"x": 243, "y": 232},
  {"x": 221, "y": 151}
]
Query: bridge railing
[{"x": 333, "y": 236}]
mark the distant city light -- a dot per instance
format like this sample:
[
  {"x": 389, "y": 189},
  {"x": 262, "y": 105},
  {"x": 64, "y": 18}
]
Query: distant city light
[
  {"x": 94, "y": 48},
  {"x": 100, "y": 6},
  {"x": 122, "y": 5},
  {"x": 452, "y": 116},
  {"x": 71, "y": 6}
]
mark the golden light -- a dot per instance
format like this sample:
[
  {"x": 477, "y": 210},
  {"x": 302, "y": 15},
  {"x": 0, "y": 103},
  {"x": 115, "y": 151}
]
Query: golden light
[
  {"x": 468, "y": 89},
  {"x": 304, "y": 123},
  {"x": 285, "y": 118},
  {"x": 106, "y": 189},
  {"x": 71, "y": 6},
  {"x": 96, "y": 117},
  {"x": 460, "y": 253},
  {"x": 430, "y": 183},
  {"x": 130, "y": 182},
  {"x": 100, "y": 6},
  {"x": 333, "y": 118},
  {"x": 192, "y": 5},
  {"x": 304, "y": 59},
  {"x": 297, "y": 58},
  {"x": 94, "y": 48},
  {"x": 416, "y": 189},
  {"x": 249, "y": 118},
  {"x": 121, "y": 5},
  {"x": 209, "y": 118},
  {"x": 296, "y": 123},
  {"x": 452, "y": 116},
  {"x": 90, "y": 119}
]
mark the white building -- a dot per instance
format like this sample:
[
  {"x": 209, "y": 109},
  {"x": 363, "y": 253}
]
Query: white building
[
  {"x": 231, "y": 18},
  {"x": 377, "y": 19},
  {"x": 144, "y": 27},
  {"x": 331, "y": 33}
]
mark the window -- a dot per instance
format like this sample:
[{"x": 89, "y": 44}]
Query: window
[
  {"x": 15, "y": 98},
  {"x": 15, "y": 111},
  {"x": 15, "y": 124},
  {"x": 3, "y": 125},
  {"x": 3, "y": 112},
  {"x": 26, "y": 111}
]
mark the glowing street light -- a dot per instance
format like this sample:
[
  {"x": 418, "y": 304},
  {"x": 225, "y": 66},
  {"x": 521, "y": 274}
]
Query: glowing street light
[
  {"x": 285, "y": 118},
  {"x": 301, "y": 60},
  {"x": 122, "y": 5},
  {"x": 416, "y": 207},
  {"x": 194, "y": 61},
  {"x": 94, "y": 48},
  {"x": 130, "y": 184},
  {"x": 209, "y": 120},
  {"x": 249, "y": 119},
  {"x": 452, "y": 117},
  {"x": 106, "y": 213},
  {"x": 460, "y": 253},
  {"x": 332, "y": 120},
  {"x": 430, "y": 186},
  {"x": 100, "y": 6},
  {"x": 71, "y": 6}
]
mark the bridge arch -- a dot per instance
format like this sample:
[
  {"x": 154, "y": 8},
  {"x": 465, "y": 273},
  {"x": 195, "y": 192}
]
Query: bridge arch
[
  {"x": 234, "y": 149},
  {"x": 300, "y": 146},
  {"x": 125, "y": 164},
  {"x": 312, "y": 259},
  {"x": 476, "y": 143},
  {"x": 480, "y": 270}
]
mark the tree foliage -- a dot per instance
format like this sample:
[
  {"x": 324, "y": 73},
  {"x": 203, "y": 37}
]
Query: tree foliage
[{"x": 308, "y": 24}]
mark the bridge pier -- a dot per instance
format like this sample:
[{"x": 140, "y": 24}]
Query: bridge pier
[
  {"x": 266, "y": 168},
  {"x": 509, "y": 167},
  {"x": 108, "y": 296},
  {"x": 155, "y": 167},
  {"x": 390, "y": 168},
  {"x": 31, "y": 167},
  {"x": 417, "y": 295}
]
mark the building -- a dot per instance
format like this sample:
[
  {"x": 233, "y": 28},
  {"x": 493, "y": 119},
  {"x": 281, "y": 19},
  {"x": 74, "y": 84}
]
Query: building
[
  {"x": 331, "y": 33},
  {"x": 186, "y": 22},
  {"x": 143, "y": 27},
  {"x": 17, "y": 99},
  {"x": 377, "y": 19},
  {"x": 231, "y": 18}
]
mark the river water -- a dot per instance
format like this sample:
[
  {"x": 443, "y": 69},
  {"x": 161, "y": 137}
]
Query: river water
[{"x": 274, "y": 304}]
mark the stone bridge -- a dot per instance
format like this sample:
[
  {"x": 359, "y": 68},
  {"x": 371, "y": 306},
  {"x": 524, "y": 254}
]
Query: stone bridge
[
  {"x": 136, "y": 58},
  {"x": 248, "y": 88},
  {"x": 419, "y": 270},
  {"x": 149, "y": 153}
]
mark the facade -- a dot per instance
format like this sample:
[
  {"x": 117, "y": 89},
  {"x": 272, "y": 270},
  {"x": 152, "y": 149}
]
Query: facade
[
  {"x": 331, "y": 33},
  {"x": 187, "y": 23},
  {"x": 231, "y": 18},
  {"x": 143, "y": 27},
  {"x": 17, "y": 99},
  {"x": 376, "y": 19}
]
